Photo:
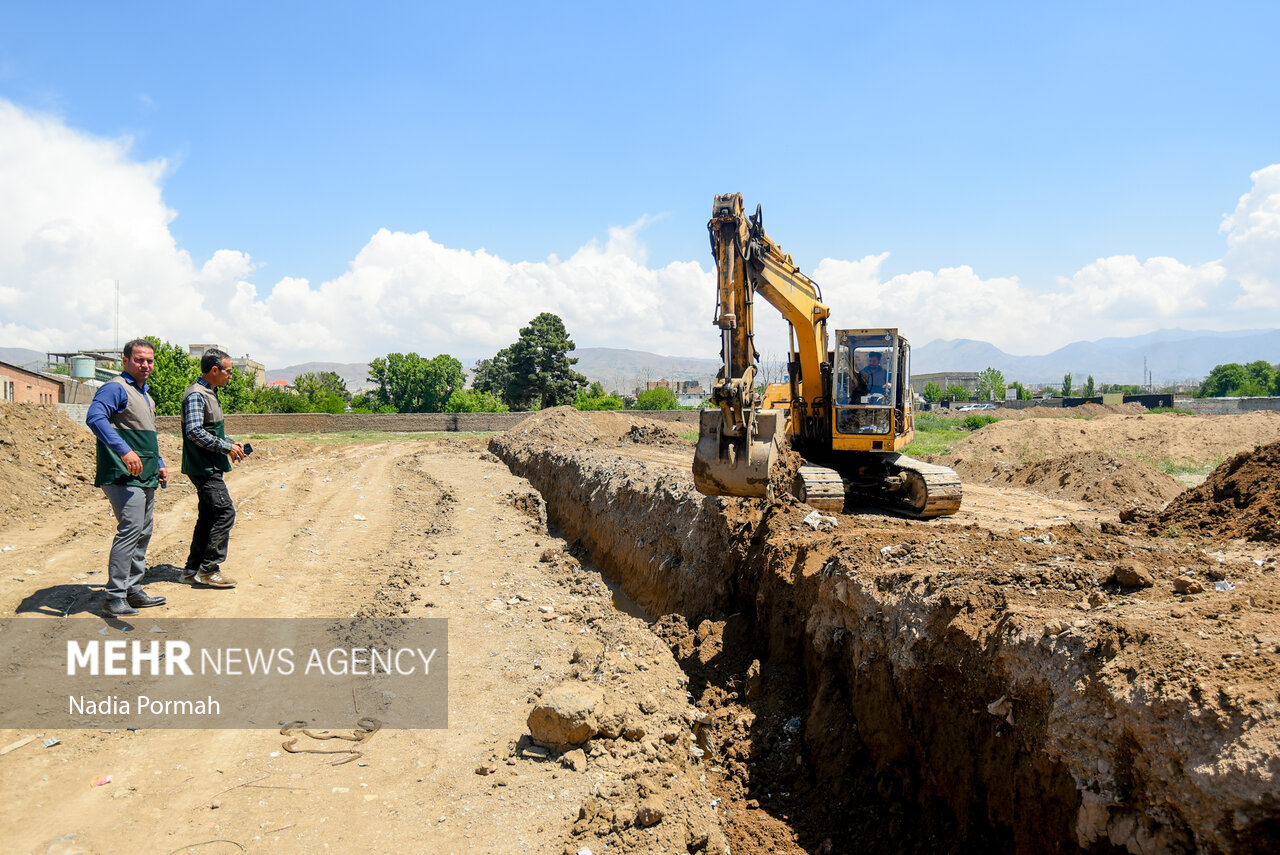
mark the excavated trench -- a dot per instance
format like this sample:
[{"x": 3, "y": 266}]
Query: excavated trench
[{"x": 862, "y": 698}]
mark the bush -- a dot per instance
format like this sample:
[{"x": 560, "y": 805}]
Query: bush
[{"x": 976, "y": 422}]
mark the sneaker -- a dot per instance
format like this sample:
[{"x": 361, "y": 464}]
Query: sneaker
[
  {"x": 213, "y": 580},
  {"x": 140, "y": 599},
  {"x": 189, "y": 574},
  {"x": 119, "y": 607}
]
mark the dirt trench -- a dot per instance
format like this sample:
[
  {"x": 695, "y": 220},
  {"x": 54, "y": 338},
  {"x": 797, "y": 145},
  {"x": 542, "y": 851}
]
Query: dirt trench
[{"x": 900, "y": 686}]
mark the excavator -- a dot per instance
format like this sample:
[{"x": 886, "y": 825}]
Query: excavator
[{"x": 846, "y": 410}]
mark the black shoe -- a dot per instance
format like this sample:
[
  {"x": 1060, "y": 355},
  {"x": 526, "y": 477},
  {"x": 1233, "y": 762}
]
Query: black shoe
[
  {"x": 140, "y": 599},
  {"x": 119, "y": 607}
]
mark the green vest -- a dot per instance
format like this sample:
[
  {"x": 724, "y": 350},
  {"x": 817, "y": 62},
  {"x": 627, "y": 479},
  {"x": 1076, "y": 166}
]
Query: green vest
[
  {"x": 195, "y": 460},
  {"x": 136, "y": 424}
]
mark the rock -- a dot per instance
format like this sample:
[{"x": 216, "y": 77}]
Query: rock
[
  {"x": 1054, "y": 627},
  {"x": 565, "y": 717},
  {"x": 648, "y": 705},
  {"x": 696, "y": 839},
  {"x": 1187, "y": 585},
  {"x": 650, "y": 812},
  {"x": 575, "y": 760},
  {"x": 535, "y": 752},
  {"x": 1131, "y": 574},
  {"x": 755, "y": 682},
  {"x": 611, "y": 720},
  {"x": 548, "y": 555},
  {"x": 587, "y": 651}
]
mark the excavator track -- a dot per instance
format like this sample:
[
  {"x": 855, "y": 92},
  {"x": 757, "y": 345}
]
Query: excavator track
[
  {"x": 820, "y": 488},
  {"x": 929, "y": 490}
]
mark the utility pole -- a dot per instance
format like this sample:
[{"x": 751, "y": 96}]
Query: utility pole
[{"x": 117, "y": 341}]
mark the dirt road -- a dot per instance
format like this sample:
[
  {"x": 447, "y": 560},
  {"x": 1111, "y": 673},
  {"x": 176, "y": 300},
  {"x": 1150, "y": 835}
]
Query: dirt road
[{"x": 423, "y": 529}]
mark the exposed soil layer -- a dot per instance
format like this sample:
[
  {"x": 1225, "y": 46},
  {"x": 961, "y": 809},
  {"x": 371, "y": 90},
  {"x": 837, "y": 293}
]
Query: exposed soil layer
[
  {"x": 1240, "y": 499},
  {"x": 948, "y": 685}
]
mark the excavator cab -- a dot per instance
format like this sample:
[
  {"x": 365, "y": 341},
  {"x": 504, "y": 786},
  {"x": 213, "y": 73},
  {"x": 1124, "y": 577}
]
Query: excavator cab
[{"x": 872, "y": 392}]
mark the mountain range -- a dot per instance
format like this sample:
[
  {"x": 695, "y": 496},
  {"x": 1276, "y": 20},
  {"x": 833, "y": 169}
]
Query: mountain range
[{"x": 1171, "y": 356}]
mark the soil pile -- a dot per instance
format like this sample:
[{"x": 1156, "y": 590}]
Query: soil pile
[
  {"x": 655, "y": 434},
  {"x": 568, "y": 426},
  {"x": 1084, "y": 411},
  {"x": 1098, "y": 457},
  {"x": 1240, "y": 499},
  {"x": 45, "y": 457},
  {"x": 1091, "y": 476}
]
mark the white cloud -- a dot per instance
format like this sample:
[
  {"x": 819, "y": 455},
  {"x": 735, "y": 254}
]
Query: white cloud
[{"x": 79, "y": 213}]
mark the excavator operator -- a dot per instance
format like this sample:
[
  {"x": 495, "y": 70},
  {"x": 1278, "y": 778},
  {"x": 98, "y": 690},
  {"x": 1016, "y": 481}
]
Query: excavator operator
[{"x": 875, "y": 379}]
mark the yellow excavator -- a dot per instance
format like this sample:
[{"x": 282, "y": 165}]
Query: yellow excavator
[{"x": 847, "y": 411}]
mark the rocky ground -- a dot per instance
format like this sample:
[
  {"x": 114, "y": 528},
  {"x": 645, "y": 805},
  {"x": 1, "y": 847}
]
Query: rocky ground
[{"x": 1066, "y": 664}]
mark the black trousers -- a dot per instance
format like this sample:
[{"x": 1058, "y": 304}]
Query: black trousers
[{"x": 216, "y": 515}]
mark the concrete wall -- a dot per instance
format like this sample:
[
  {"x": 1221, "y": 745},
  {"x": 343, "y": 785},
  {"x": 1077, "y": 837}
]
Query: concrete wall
[
  {"x": 1226, "y": 406},
  {"x": 245, "y": 424}
]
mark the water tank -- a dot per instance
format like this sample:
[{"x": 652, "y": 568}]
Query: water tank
[{"x": 82, "y": 367}]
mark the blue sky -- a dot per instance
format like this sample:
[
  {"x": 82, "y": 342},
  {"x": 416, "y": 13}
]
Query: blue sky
[{"x": 888, "y": 144}]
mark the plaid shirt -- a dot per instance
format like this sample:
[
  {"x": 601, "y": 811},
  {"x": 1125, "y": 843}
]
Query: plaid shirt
[{"x": 193, "y": 423}]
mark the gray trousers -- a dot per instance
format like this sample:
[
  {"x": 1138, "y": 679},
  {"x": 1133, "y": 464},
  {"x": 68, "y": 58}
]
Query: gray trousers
[{"x": 134, "y": 508}]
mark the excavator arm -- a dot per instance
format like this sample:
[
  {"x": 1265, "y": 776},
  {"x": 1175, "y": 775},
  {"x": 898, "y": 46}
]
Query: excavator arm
[{"x": 736, "y": 444}]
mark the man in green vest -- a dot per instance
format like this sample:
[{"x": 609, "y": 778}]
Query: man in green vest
[
  {"x": 123, "y": 418},
  {"x": 207, "y": 452}
]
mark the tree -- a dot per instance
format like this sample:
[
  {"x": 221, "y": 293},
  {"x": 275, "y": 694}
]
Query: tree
[
  {"x": 471, "y": 401},
  {"x": 1024, "y": 394},
  {"x": 492, "y": 375},
  {"x": 660, "y": 398},
  {"x": 1066, "y": 385},
  {"x": 1088, "y": 387},
  {"x": 240, "y": 394},
  {"x": 596, "y": 398},
  {"x": 312, "y": 383},
  {"x": 956, "y": 392},
  {"x": 932, "y": 392},
  {"x": 1123, "y": 388},
  {"x": 991, "y": 385},
  {"x": 175, "y": 370},
  {"x": 364, "y": 403},
  {"x": 541, "y": 371},
  {"x": 1224, "y": 381},
  {"x": 410, "y": 383}
]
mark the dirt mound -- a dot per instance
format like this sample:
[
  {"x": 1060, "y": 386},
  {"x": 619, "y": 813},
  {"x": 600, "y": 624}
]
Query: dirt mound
[
  {"x": 46, "y": 458},
  {"x": 1240, "y": 499},
  {"x": 654, "y": 434},
  {"x": 1084, "y": 411},
  {"x": 1162, "y": 438},
  {"x": 568, "y": 426},
  {"x": 1091, "y": 476}
]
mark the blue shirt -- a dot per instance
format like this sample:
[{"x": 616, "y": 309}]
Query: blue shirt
[{"x": 110, "y": 400}]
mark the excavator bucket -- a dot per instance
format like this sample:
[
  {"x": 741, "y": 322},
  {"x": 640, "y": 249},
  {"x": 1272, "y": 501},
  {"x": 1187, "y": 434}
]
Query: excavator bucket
[{"x": 734, "y": 465}]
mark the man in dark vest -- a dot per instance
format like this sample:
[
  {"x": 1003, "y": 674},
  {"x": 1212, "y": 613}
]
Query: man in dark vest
[
  {"x": 207, "y": 452},
  {"x": 123, "y": 418}
]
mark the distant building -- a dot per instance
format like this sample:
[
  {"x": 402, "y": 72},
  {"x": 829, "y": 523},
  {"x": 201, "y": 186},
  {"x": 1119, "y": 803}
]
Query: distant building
[
  {"x": 945, "y": 379},
  {"x": 28, "y": 387},
  {"x": 242, "y": 365}
]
